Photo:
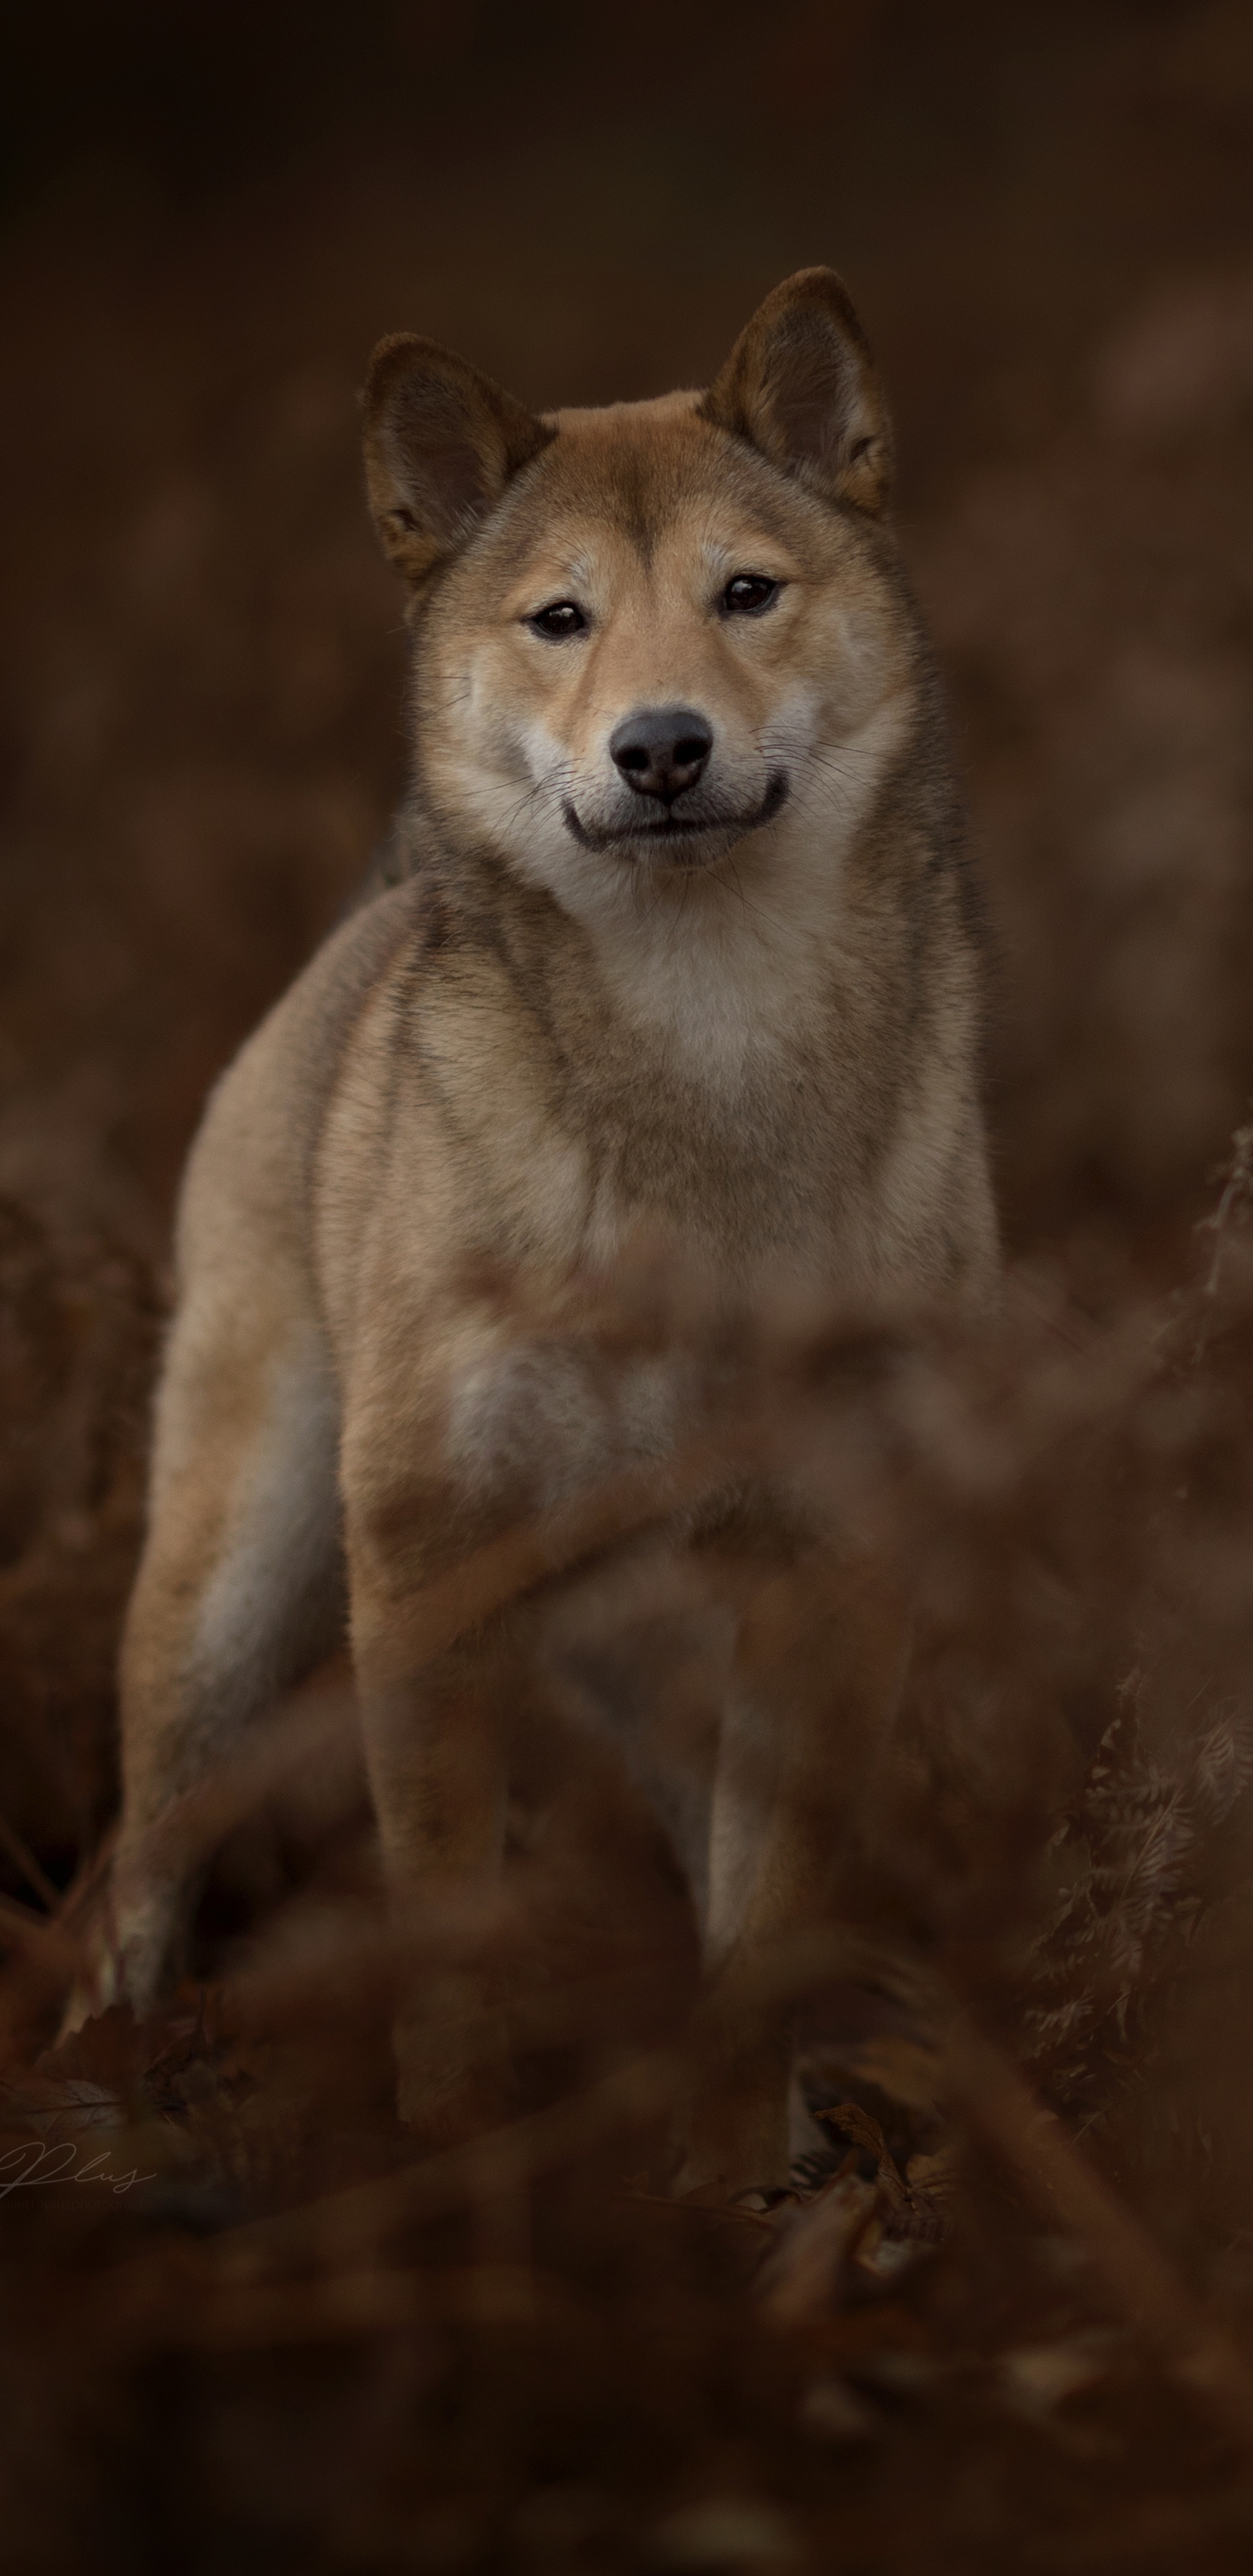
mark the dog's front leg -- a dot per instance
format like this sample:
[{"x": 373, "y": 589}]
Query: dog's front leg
[
  {"x": 818, "y": 1672},
  {"x": 433, "y": 1719},
  {"x": 486, "y": 1431}
]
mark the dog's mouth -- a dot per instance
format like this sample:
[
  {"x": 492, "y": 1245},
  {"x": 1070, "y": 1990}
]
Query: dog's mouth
[{"x": 673, "y": 832}]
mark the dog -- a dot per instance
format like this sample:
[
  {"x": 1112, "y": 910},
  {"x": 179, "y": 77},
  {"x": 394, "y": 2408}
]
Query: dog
[{"x": 687, "y": 949}]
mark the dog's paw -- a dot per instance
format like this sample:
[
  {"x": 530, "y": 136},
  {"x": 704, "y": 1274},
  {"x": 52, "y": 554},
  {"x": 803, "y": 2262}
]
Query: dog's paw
[
  {"x": 729, "y": 2150},
  {"x": 447, "y": 2090}
]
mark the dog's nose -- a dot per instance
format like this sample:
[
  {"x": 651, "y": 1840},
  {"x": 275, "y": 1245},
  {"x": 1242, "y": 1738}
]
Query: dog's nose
[{"x": 661, "y": 750}]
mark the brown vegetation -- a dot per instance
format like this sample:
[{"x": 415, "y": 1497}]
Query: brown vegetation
[{"x": 1009, "y": 2322}]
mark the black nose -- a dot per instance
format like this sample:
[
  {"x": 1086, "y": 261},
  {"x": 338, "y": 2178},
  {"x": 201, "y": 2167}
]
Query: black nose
[{"x": 661, "y": 750}]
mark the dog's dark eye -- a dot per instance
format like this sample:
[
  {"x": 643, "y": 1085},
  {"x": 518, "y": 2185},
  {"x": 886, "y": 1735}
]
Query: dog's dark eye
[
  {"x": 749, "y": 593},
  {"x": 564, "y": 618}
]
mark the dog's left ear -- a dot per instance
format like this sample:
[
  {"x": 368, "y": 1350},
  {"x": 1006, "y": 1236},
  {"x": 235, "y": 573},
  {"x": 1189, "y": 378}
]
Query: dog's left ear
[{"x": 801, "y": 384}]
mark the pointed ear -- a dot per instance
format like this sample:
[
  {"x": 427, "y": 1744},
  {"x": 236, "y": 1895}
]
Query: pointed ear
[
  {"x": 441, "y": 443},
  {"x": 800, "y": 383}
]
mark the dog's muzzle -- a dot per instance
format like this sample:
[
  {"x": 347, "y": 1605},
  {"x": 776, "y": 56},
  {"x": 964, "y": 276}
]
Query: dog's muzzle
[{"x": 669, "y": 832}]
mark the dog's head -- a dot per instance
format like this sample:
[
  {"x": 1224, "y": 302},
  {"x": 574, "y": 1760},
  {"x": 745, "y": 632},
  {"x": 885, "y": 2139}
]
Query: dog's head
[{"x": 649, "y": 632}]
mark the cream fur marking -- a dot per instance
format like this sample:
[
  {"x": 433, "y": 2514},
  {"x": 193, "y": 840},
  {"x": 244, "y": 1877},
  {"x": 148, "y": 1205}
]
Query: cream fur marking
[{"x": 284, "y": 1526}]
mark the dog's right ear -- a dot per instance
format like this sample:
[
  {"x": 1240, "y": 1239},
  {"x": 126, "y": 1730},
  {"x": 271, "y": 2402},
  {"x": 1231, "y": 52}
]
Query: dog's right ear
[{"x": 441, "y": 443}]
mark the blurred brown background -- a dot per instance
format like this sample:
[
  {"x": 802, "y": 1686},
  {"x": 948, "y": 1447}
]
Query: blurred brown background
[{"x": 207, "y": 216}]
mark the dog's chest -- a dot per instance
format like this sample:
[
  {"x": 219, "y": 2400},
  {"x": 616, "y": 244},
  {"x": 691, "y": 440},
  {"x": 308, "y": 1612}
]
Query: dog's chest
[
  {"x": 739, "y": 1172},
  {"x": 584, "y": 1127}
]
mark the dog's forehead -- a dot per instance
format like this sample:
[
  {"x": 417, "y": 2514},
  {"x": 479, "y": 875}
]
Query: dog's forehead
[{"x": 634, "y": 469}]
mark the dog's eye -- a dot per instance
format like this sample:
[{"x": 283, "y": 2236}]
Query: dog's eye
[
  {"x": 563, "y": 618},
  {"x": 749, "y": 594}
]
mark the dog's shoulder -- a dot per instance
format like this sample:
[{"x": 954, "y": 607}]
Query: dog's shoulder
[
  {"x": 267, "y": 1110},
  {"x": 408, "y": 847}
]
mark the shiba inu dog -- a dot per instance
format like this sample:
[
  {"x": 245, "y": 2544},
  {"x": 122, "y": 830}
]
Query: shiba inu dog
[{"x": 687, "y": 948}]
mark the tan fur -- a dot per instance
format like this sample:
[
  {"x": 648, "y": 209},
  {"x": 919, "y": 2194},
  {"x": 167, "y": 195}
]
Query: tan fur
[{"x": 757, "y": 1040}]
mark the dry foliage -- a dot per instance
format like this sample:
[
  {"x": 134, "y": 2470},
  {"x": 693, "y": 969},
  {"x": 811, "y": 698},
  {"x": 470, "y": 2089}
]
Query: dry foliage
[
  {"x": 1007, "y": 2309},
  {"x": 1005, "y": 2319}
]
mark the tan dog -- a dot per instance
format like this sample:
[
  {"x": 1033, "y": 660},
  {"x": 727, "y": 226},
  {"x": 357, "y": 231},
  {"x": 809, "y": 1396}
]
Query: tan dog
[{"x": 688, "y": 950}]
